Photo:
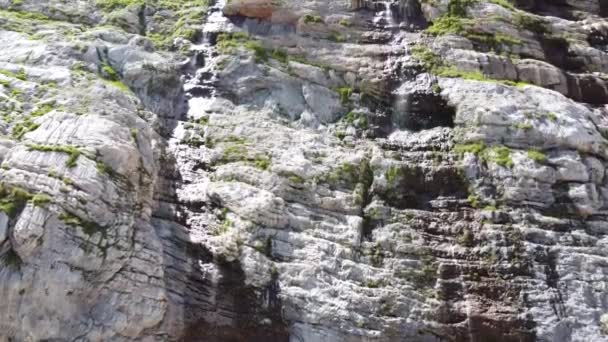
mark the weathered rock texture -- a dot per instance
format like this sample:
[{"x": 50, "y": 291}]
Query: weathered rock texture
[{"x": 303, "y": 171}]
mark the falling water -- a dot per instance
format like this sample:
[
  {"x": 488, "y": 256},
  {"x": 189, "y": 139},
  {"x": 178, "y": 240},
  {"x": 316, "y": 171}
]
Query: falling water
[
  {"x": 202, "y": 86},
  {"x": 385, "y": 17}
]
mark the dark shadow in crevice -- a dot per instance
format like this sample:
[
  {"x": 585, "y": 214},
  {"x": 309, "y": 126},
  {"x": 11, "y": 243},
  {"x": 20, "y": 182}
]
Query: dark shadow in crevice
[
  {"x": 415, "y": 186},
  {"x": 555, "y": 8},
  {"x": 255, "y": 313},
  {"x": 420, "y": 110},
  {"x": 202, "y": 305},
  {"x": 587, "y": 88}
]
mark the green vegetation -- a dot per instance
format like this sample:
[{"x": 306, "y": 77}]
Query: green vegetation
[
  {"x": 104, "y": 168},
  {"x": 345, "y": 23},
  {"x": 393, "y": 174},
  {"x": 115, "y": 4},
  {"x": 293, "y": 178},
  {"x": 349, "y": 174},
  {"x": 13, "y": 19},
  {"x": 500, "y": 155},
  {"x": 357, "y": 118},
  {"x": 524, "y": 125},
  {"x": 504, "y": 3},
  {"x": 426, "y": 276},
  {"x": 20, "y": 75},
  {"x": 473, "y": 201},
  {"x": 531, "y": 23},
  {"x": 459, "y": 7},
  {"x": 302, "y": 59},
  {"x": 551, "y": 116},
  {"x": 236, "y": 150},
  {"x": 20, "y": 129},
  {"x": 433, "y": 63},
  {"x": 203, "y": 120},
  {"x": 336, "y": 37},
  {"x": 72, "y": 151},
  {"x": 89, "y": 228},
  {"x": 13, "y": 199},
  {"x": 260, "y": 53},
  {"x": 262, "y": 162},
  {"x": 448, "y": 24},
  {"x": 377, "y": 255},
  {"x": 537, "y": 156},
  {"x": 280, "y": 55},
  {"x": 41, "y": 200},
  {"x": 345, "y": 94},
  {"x": 234, "y": 153},
  {"x": 225, "y": 222},
  {"x": 455, "y": 21},
  {"x": 112, "y": 77},
  {"x": 466, "y": 238},
  {"x": 11, "y": 259},
  {"x": 475, "y": 148},
  {"x": 314, "y": 19},
  {"x": 227, "y": 42},
  {"x": 134, "y": 132},
  {"x": 264, "y": 247},
  {"x": 43, "y": 109},
  {"x": 109, "y": 73},
  {"x": 180, "y": 21},
  {"x": 374, "y": 284}
]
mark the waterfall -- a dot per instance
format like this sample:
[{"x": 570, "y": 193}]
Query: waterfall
[
  {"x": 201, "y": 88},
  {"x": 385, "y": 17}
]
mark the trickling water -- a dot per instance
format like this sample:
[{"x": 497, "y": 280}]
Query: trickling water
[
  {"x": 202, "y": 87},
  {"x": 385, "y": 17},
  {"x": 388, "y": 13}
]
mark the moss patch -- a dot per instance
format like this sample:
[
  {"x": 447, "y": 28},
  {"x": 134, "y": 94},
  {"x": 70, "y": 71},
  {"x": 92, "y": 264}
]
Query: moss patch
[{"x": 72, "y": 151}]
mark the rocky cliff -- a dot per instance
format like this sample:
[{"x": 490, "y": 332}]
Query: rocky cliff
[{"x": 303, "y": 171}]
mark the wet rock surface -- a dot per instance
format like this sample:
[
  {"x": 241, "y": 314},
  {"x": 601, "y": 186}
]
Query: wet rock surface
[{"x": 303, "y": 170}]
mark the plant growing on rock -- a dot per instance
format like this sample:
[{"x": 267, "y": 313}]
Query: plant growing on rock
[
  {"x": 72, "y": 151},
  {"x": 537, "y": 155},
  {"x": 500, "y": 155},
  {"x": 312, "y": 19}
]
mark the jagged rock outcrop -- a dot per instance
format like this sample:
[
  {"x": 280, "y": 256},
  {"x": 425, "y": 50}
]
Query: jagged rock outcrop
[{"x": 303, "y": 170}]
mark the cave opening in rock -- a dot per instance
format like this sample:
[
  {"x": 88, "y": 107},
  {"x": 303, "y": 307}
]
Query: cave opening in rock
[
  {"x": 415, "y": 186},
  {"x": 421, "y": 109}
]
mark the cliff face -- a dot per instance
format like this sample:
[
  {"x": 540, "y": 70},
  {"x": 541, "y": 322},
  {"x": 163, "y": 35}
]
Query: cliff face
[{"x": 258, "y": 170}]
